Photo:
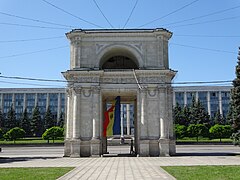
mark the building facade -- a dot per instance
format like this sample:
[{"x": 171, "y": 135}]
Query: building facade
[
  {"x": 213, "y": 98},
  {"x": 28, "y": 98}
]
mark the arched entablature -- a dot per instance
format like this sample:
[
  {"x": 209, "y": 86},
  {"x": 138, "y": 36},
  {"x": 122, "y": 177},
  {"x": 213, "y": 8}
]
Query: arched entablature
[{"x": 119, "y": 57}]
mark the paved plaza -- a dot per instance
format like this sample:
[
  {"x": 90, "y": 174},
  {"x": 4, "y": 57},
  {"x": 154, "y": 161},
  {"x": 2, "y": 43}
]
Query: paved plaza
[{"x": 119, "y": 167}]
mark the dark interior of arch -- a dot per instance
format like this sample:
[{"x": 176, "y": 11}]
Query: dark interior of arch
[{"x": 119, "y": 62}]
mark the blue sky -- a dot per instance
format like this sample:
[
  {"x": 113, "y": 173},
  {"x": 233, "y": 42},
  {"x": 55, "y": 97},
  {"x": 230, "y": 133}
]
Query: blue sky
[{"x": 204, "y": 46}]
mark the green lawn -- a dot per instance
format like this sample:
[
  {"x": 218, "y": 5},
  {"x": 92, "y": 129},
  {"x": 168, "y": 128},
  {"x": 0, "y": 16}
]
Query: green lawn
[
  {"x": 33, "y": 173},
  {"x": 204, "y": 172},
  {"x": 187, "y": 139},
  {"x": 30, "y": 141}
]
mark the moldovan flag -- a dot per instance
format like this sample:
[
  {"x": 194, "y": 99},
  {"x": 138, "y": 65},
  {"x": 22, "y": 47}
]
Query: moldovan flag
[{"x": 112, "y": 121}]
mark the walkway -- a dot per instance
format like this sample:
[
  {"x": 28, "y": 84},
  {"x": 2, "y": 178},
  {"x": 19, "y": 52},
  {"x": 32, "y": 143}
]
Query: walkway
[{"x": 115, "y": 167}]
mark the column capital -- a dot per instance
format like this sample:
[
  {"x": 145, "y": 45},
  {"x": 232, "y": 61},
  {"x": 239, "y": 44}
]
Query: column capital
[{"x": 77, "y": 90}]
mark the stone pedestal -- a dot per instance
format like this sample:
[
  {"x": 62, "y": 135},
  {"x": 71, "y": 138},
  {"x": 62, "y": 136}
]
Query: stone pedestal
[
  {"x": 144, "y": 148},
  {"x": 75, "y": 148},
  {"x": 172, "y": 147},
  {"x": 164, "y": 145},
  {"x": 153, "y": 148},
  {"x": 67, "y": 148},
  {"x": 95, "y": 147}
]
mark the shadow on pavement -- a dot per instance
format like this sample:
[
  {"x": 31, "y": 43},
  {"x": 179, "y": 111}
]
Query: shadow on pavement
[
  {"x": 207, "y": 154},
  {"x": 20, "y": 159}
]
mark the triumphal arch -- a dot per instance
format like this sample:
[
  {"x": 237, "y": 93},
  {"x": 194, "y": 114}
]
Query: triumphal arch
[{"x": 132, "y": 64}]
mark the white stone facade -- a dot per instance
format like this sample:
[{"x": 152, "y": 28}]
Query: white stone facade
[{"x": 91, "y": 86}]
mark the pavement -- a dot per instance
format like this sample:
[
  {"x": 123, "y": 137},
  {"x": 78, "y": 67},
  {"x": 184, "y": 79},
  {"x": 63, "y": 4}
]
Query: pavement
[{"x": 118, "y": 167}]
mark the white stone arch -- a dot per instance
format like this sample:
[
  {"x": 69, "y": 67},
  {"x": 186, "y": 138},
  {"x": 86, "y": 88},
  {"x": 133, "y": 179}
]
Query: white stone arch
[{"x": 119, "y": 49}]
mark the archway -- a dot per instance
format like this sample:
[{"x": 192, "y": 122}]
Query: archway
[
  {"x": 119, "y": 57},
  {"x": 119, "y": 62},
  {"x": 125, "y": 142}
]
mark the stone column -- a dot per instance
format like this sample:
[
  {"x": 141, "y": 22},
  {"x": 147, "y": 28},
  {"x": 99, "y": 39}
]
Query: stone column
[
  {"x": 128, "y": 118},
  {"x": 75, "y": 142},
  {"x": 67, "y": 145},
  {"x": 185, "y": 98},
  {"x": 95, "y": 142},
  {"x": 59, "y": 107},
  {"x": 164, "y": 137},
  {"x": 75, "y": 50},
  {"x": 143, "y": 124},
  {"x": 209, "y": 103},
  {"x": 220, "y": 102}
]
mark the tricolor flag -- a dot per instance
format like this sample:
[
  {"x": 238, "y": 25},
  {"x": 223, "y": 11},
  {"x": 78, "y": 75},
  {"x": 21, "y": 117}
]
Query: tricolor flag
[{"x": 112, "y": 120}]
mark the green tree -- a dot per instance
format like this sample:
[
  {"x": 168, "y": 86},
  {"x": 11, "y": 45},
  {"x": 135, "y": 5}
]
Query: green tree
[
  {"x": 61, "y": 120},
  {"x": 180, "y": 131},
  {"x": 198, "y": 114},
  {"x": 218, "y": 118},
  {"x": 53, "y": 133},
  {"x": 48, "y": 119},
  {"x": 36, "y": 123},
  {"x": 197, "y": 130},
  {"x": 236, "y": 137},
  {"x": 14, "y": 134},
  {"x": 25, "y": 123},
  {"x": 11, "y": 119},
  {"x": 181, "y": 115},
  {"x": 2, "y": 120},
  {"x": 1, "y": 133},
  {"x": 235, "y": 97},
  {"x": 229, "y": 114},
  {"x": 186, "y": 115}
]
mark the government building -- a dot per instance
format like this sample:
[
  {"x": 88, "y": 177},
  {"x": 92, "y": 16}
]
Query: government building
[{"x": 213, "y": 98}]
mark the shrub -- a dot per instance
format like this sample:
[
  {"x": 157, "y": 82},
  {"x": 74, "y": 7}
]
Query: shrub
[
  {"x": 53, "y": 133},
  {"x": 196, "y": 130},
  {"x": 236, "y": 138},
  {"x": 180, "y": 131},
  {"x": 14, "y": 134},
  {"x": 220, "y": 131}
]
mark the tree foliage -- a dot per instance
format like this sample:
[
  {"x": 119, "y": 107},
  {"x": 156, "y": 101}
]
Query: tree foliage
[
  {"x": 180, "y": 131},
  {"x": 2, "y": 121},
  {"x": 218, "y": 118},
  {"x": 14, "y": 134},
  {"x": 36, "y": 123},
  {"x": 61, "y": 120},
  {"x": 196, "y": 130},
  {"x": 220, "y": 131},
  {"x": 11, "y": 119},
  {"x": 48, "y": 119},
  {"x": 53, "y": 133},
  {"x": 198, "y": 114},
  {"x": 25, "y": 123},
  {"x": 235, "y": 98},
  {"x": 236, "y": 138},
  {"x": 1, "y": 133}
]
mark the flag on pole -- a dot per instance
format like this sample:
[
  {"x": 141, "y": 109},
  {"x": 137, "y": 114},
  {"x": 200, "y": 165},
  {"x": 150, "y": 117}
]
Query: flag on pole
[{"x": 112, "y": 120}]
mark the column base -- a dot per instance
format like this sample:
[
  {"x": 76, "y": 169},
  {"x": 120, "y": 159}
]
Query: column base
[
  {"x": 67, "y": 148},
  {"x": 143, "y": 148},
  {"x": 164, "y": 147},
  {"x": 95, "y": 147},
  {"x": 75, "y": 148},
  {"x": 172, "y": 147}
]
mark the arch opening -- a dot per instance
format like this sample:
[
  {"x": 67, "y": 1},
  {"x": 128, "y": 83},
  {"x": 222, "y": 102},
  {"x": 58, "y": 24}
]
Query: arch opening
[
  {"x": 119, "y": 62},
  {"x": 118, "y": 58}
]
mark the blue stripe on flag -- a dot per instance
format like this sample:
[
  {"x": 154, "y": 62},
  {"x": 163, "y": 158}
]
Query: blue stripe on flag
[{"x": 117, "y": 117}]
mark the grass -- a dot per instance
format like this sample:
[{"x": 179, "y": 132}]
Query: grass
[
  {"x": 187, "y": 139},
  {"x": 204, "y": 172},
  {"x": 33, "y": 173},
  {"x": 30, "y": 141}
]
